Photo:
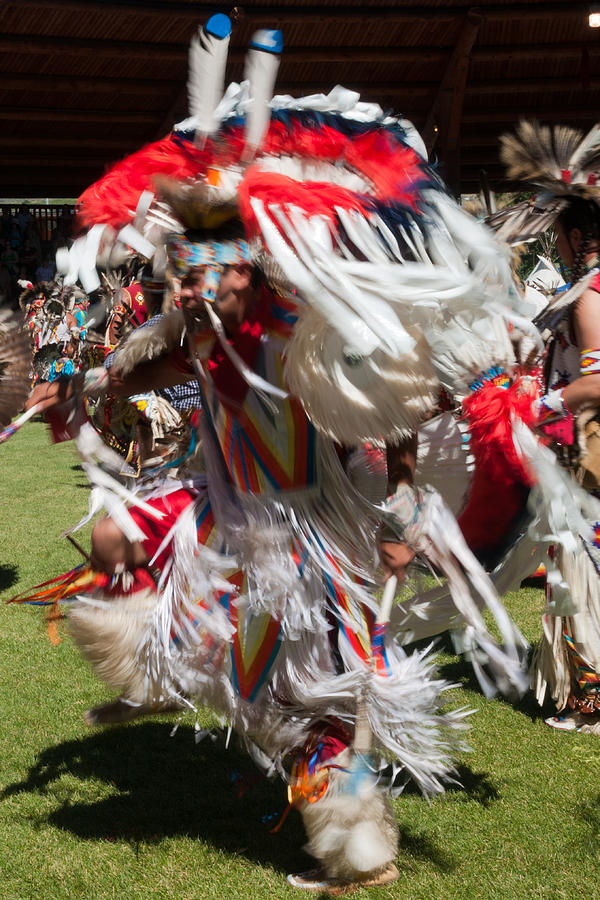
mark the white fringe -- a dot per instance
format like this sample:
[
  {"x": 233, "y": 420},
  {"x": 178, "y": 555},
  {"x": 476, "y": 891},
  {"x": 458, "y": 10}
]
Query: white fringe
[
  {"x": 444, "y": 461},
  {"x": 551, "y": 670},
  {"x": 441, "y": 542}
]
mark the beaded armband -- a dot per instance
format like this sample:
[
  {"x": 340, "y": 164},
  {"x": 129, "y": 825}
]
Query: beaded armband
[{"x": 590, "y": 362}]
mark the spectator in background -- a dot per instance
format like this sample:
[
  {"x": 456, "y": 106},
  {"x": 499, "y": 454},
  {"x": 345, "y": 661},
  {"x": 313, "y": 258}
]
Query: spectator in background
[
  {"x": 64, "y": 223},
  {"x": 7, "y": 293},
  {"x": 29, "y": 259},
  {"x": 24, "y": 217},
  {"x": 15, "y": 236},
  {"x": 45, "y": 271},
  {"x": 23, "y": 276},
  {"x": 32, "y": 234},
  {"x": 10, "y": 258}
]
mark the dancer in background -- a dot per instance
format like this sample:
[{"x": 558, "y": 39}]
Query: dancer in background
[{"x": 563, "y": 165}]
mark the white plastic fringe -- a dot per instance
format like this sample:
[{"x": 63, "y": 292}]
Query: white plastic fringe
[
  {"x": 354, "y": 398},
  {"x": 107, "y": 492},
  {"x": 437, "y": 536}
]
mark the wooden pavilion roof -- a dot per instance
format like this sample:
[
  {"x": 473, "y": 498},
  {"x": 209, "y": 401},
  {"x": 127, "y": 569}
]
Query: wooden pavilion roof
[{"x": 85, "y": 82}]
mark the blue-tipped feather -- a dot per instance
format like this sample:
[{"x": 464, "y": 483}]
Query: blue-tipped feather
[
  {"x": 206, "y": 77},
  {"x": 262, "y": 63}
]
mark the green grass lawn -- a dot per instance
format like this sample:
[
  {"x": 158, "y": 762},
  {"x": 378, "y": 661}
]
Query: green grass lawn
[{"x": 130, "y": 812}]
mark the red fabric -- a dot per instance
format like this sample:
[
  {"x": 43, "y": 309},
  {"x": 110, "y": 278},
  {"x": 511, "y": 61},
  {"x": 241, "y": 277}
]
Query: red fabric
[
  {"x": 137, "y": 303},
  {"x": 499, "y": 480},
  {"x": 180, "y": 360},
  {"x": 156, "y": 530},
  {"x": 229, "y": 384}
]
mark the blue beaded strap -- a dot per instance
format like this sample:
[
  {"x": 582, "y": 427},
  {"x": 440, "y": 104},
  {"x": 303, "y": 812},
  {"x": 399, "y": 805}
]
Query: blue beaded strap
[{"x": 495, "y": 373}]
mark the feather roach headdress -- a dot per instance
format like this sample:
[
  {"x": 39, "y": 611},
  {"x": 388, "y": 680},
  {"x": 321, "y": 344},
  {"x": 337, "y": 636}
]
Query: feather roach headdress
[
  {"x": 560, "y": 162},
  {"x": 340, "y": 209}
]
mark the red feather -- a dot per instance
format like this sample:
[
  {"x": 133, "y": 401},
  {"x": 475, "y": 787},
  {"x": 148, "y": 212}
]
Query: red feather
[
  {"x": 393, "y": 169},
  {"x": 313, "y": 197},
  {"x": 113, "y": 199}
]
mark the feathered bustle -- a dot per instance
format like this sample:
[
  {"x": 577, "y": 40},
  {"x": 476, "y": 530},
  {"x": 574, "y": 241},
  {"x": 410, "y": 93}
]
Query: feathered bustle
[
  {"x": 15, "y": 366},
  {"x": 557, "y": 160}
]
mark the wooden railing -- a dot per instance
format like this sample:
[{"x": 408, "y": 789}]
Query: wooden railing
[{"x": 47, "y": 217}]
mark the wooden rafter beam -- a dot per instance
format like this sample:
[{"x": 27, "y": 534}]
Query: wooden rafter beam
[
  {"x": 48, "y": 142},
  {"x": 19, "y": 176},
  {"x": 161, "y": 87},
  {"x": 318, "y": 12},
  {"x": 84, "y": 85},
  {"x": 451, "y": 90},
  {"x": 77, "y": 116},
  {"x": 511, "y": 114},
  {"x": 113, "y": 49},
  {"x": 52, "y": 162},
  {"x": 444, "y": 117}
]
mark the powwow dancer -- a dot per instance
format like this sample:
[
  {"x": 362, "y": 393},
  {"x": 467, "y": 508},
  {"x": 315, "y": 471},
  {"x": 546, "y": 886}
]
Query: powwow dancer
[
  {"x": 149, "y": 429},
  {"x": 328, "y": 283},
  {"x": 563, "y": 165},
  {"x": 55, "y": 316}
]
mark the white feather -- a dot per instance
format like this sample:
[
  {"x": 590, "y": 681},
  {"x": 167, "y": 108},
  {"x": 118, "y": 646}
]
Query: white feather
[
  {"x": 206, "y": 79},
  {"x": 261, "y": 72}
]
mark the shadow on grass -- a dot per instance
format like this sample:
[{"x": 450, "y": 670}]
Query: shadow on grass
[
  {"x": 418, "y": 846},
  {"x": 166, "y": 788},
  {"x": 460, "y": 671},
  {"x": 475, "y": 786},
  {"x": 589, "y": 812},
  {"x": 9, "y": 575},
  {"x": 172, "y": 787}
]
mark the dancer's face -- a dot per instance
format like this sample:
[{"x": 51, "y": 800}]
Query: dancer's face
[
  {"x": 232, "y": 295},
  {"x": 193, "y": 290},
  {"x": 569, "y": 242}
]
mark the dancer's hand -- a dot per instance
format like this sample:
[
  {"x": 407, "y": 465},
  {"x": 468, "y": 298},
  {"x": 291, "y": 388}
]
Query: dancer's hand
[{"x": 395, "y": 558}]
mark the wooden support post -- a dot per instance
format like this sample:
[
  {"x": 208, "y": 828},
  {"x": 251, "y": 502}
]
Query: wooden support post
[{"x": 444, "y": 119}]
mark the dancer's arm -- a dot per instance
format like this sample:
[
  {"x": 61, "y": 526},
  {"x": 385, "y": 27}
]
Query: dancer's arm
[
  {"x": 53, "y": 393},
  {"x": 401, "y": 460},
  {"x": 149, "y": 376},
  {"x": 586, "y": 388},
  {"x": 160, "y": 373}
]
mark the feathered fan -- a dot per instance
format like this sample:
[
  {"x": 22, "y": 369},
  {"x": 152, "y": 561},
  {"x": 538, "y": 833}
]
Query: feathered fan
[
  {"x": 15, "y": 366},
  {"x": 559, "y": 161}
]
